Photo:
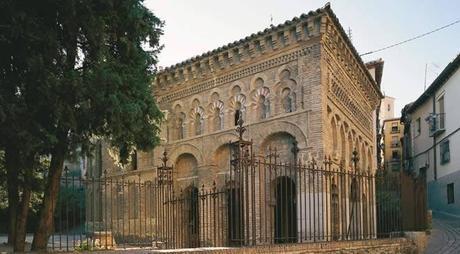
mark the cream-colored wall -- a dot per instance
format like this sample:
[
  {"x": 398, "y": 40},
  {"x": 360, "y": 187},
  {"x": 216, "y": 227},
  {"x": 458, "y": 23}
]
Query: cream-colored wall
[
  {"x": 451, "y": 92},
  {"x": 388, "y": 135},
  {"x": 424, "y": 147},
  {"x": 421, "y": 143}
]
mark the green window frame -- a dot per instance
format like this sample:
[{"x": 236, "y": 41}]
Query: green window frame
[
  {"x": 444, "y": 152},
  {"x": 450, "y": 193}
]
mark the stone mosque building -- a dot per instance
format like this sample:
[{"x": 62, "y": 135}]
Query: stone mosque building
[{"x": 301, "y": 83}]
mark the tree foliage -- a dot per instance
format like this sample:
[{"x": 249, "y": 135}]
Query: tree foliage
[
  {"x": 82, "y": 71},
  {"x": 75, "y": 71}
]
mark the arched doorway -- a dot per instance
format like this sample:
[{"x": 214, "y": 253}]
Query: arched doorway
[
  {"x": 235, "y": 215},
  {"x": 353, "y": 227},
  {"x": 192, "y": 217},
  {"x": 186, "y": 166},
  {"x": 285, "y": 210},
  {"x": 365, "y": 217},
  {"x": 335, "y": 212},
  {"x": 285, "y": 145},
  {"x": 222, "y": 157}
]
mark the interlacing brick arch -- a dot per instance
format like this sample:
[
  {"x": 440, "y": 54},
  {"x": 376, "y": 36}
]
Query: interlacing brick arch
[
  {"x": 216, "y": 113},
  {"x": 264, "y": 102},
  {"x": 237, "y": 104},
  {"x": 197, "y": 116},
  {"x": 286, "y": 90},
  {"x": 344, "y": 141},
  {"x": 178, "y": 123},
  {"x": 261, "y": 102}
]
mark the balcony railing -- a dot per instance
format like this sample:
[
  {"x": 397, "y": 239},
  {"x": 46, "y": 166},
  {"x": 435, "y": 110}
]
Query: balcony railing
[
  {"x": 394, "y": 130},
  {"x": 436, "y": 123},
  {"x": 396, "y": 158},
  {"x": 394, "y": 144}
]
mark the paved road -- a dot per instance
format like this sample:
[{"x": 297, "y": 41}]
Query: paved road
[
  {"x": 56, "y": 242},
  {"x": 445, "y": 235}
]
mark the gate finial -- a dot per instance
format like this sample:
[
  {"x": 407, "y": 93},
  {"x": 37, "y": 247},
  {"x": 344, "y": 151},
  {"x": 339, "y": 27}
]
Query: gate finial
[
  {"x": 164, "y": 173},
  {"x": 240, "y": 129},
  {"x": 164, "y": 159},
  {"x": 354, "y": 158}
]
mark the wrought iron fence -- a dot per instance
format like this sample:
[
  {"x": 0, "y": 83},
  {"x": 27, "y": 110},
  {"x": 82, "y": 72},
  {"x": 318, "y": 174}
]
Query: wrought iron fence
[{"x": 262, "y": 201}]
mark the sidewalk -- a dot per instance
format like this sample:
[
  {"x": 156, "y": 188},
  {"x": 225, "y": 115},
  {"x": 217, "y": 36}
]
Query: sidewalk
[{"x": 445, "y": 235}]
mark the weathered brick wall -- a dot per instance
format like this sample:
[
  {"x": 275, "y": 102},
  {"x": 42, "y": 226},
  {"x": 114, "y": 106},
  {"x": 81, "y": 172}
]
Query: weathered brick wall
[
  {"x": 350, "y": 100},
  {"x": 303, "y": 56}
]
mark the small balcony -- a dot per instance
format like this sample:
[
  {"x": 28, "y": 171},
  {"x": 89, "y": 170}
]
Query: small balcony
[
  {"x": 395, "y": 158},
  {"x": 436, "y": 123},
  {"x": 395, "y": 144}
]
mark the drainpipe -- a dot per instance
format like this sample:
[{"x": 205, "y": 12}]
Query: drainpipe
[{"x": 435, "y": 169}]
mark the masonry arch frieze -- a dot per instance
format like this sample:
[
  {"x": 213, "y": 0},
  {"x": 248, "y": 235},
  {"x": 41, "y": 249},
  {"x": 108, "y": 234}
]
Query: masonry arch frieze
[
  {"x": 291, "y": 67},
  {"x": 259, "y": 80},
  {"x": 280, "y": 131},
  {"x": 282, "y": 126},
  {"x": 225, "y": 138},
  {"x": 177, "y": 150},
  {"x": 177, "y": 106},
  {"x": 237, "y": 87},
  {"x": 215, "y": 95}
]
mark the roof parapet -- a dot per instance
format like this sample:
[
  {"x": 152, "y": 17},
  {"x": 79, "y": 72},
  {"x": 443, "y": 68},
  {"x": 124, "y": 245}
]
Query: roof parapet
[{"x": 271, "y": 39}]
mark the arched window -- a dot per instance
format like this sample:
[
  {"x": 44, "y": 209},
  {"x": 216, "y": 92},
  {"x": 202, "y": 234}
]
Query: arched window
[
  {"x": 181, "y": 127},
  {"x": 237, "y": 116},
  {"x": 238, "y": 113},
  {"x": 350, "y": 149},
  {"x": 288, "y": 100},
  {"x": 334, "y": 137},
  {"x": 198, "y": 124},
  {"x": 264, "y": 107},
  {"x": 342, "y": 144},
  {"x": 369, "y": 159},
  {"x": 218, "y": 119},
  {"x": 287, "y": 104}
]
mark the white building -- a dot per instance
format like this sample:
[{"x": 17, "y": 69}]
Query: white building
[
  {"x": 387, "y": 110},
  {"x": 432, "y": 139}
]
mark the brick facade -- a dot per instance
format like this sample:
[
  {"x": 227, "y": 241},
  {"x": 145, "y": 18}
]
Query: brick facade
[{"x": 301, "y": 81}]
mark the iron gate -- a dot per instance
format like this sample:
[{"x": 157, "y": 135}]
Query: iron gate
[{"x": 263, "y": 201}]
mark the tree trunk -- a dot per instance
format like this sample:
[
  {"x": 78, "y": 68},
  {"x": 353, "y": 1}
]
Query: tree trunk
[
  {"x": 21, "y": 221},
  {"x": 12, "y": 172},
  {"x": 45, "y": 224}
]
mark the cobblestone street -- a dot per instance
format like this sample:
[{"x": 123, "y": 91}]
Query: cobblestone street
[{"x": 445, "y": 235}]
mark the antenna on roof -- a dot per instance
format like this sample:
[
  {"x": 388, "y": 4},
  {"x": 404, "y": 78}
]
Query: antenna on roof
[
  {"x": 349, "y": 33},
  {"x": 424, "y": 83}
]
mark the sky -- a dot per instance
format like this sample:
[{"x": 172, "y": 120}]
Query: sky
[{"x": 193, "y": 27}]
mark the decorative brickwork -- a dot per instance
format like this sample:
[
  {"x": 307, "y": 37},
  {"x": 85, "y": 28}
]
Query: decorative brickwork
[{"x": 300, "y": 87}]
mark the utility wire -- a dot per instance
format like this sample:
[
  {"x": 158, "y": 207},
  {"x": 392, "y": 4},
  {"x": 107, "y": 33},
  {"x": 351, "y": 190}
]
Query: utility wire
[{"x": 411, "y": 39}]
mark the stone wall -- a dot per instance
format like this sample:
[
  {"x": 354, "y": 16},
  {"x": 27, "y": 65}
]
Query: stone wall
[
  {"x": 382, "y": 246},
  {"x": 298, "y": 83}
]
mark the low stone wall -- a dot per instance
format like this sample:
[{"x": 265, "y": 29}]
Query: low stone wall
[{"x": 383, "y": 246}]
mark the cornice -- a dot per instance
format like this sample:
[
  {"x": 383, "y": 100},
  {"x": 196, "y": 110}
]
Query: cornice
[
  {"x": 237, "y": 53},
  {"x": 237, "y": 74},
  {"x": 335, "y": 46},
  {"x": 234, "y": 60},
  {"x": 351, "y": 49}
]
